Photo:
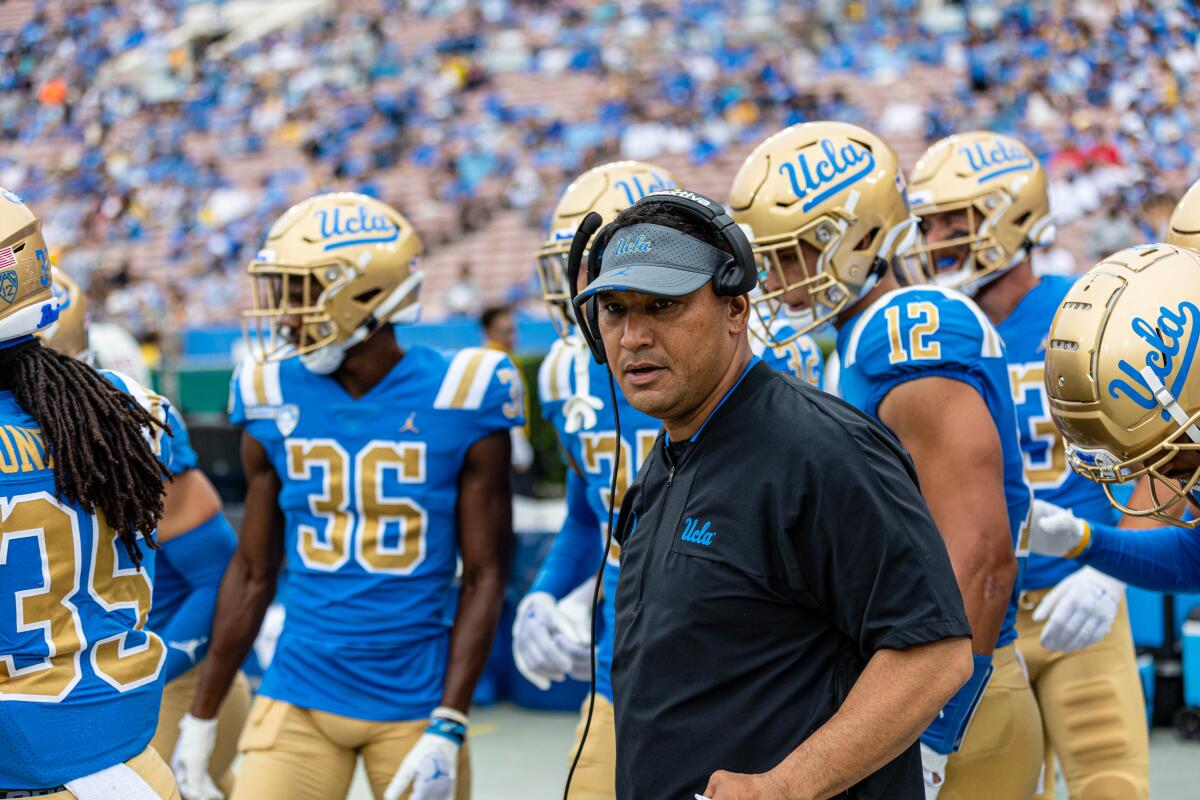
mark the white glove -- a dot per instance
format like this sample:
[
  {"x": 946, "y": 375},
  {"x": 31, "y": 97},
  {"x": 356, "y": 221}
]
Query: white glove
[
  {"x": 576, "y": 610},
  {"x": 580, "y": 413},
  {"x": 189, "y": 762},
  {"x": 542, "y": 648},
  {"x": 1080, "y": 610},
  {"x": 1055, "y": 531},
  {"x": 933, "y": 767},
  {"x": 431, "y": 766}
]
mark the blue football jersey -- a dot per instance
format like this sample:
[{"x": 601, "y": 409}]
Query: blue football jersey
[
  {"x": 800, "y": 357},
  {"x": 570, "y": 376},
  {"x": 924, "y": 332},
  {"x": 369, "y": 497},
  {"x": 80, "y": 673},
  {"x": 1046, "y": 469}
]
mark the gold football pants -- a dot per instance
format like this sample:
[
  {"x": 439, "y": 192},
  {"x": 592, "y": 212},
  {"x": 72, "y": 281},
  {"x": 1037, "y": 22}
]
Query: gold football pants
[
  {"x": 150, "y": 768},
  {"x": 177, "y": 699},
  {"x": 1093, "y": 711},
  {"x": 302, "y": 754},
  {"x": 1001, "y": 756},
  {"x": 596, "y": 776}
]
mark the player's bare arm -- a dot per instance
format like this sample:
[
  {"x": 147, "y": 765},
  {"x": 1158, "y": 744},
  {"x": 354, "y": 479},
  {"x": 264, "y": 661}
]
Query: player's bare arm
[
  {"x": 960, "y": 466},
  {"x": 485, "y": 542},
  {"x": 890, "y": 704},
  {"x": 249, "y": 584}
]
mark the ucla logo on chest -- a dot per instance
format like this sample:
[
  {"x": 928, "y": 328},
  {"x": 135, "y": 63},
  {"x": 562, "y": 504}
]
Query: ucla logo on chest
[
  {"x": 693, "y": 532},
  {"x": 635, "y": 190},
  {"x": 836, "y": 168},
  {"x": 1172, "y": 339},
  {"x": 991, "y": 160},
  {"x": 349, "y": 228},
  {"x": 625, "y": 246}
]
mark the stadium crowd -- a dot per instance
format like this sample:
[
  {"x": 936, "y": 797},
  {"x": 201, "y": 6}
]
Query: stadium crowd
[{"x": 160, "y": 137}]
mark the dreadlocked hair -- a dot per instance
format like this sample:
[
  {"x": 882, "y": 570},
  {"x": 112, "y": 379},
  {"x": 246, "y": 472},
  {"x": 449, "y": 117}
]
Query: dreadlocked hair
[{"x": 94, "y": 433}]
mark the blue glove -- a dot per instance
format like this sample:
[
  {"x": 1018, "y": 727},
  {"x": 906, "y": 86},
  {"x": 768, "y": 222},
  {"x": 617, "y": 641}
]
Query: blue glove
[{"x": 945, "y": 734}]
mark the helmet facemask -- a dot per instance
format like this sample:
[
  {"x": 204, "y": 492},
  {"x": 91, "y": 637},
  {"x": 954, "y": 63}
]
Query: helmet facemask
[
  {"x": 1166, "y": 491},
  {"x": 556, "y": 287},
  {"x": 972, "y": 256},
  {"x": 293, "y": 311},
  {"x": 792, "y": 268}
]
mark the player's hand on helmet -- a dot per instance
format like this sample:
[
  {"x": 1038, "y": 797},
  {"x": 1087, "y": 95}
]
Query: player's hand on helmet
[
  {"x": 431, "y": 767},
  {"x": 576, "y": 610},
  {"x": 1080, "y": 610},
  {"x": 740, "y": 786},
  {"x": 933, "y": 767},
  {"x": 1055, "y": 531},
  {"x": 542, "y": 648},
  {"x": 189, "y": 762}
]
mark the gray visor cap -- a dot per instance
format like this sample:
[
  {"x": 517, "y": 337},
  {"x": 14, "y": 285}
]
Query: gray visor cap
[{"x": 654, "y": 259}]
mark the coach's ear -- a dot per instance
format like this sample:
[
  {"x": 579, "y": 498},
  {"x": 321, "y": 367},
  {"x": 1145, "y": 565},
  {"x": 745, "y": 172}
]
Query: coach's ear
[{"x": 737, "y": 311}]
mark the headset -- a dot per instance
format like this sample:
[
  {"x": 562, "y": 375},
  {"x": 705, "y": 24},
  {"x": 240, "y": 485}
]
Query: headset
[{"x": 736, "y": 276}]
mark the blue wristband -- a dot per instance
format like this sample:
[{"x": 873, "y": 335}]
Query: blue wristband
[
  {"x": 448, "y": 728},
  {"x": 945, "y": 734}
]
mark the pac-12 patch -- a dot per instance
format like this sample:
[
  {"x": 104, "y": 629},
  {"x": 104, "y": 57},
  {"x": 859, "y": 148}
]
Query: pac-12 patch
[{"x": 8, "y": 285}]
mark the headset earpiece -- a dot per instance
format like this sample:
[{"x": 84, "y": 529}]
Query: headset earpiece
[{"x": 587, "y": 313}]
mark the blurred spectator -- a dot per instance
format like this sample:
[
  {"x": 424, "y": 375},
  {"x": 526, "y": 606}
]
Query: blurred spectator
[
  {"x": 463, "y": 298},
  {"x": 499, "y": 328},
  {"x": 1112, "y": 231},
  {"x": 154, "y": 134}
]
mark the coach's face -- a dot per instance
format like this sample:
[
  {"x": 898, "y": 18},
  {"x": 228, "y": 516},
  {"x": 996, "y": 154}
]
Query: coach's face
[{"x": 669, "y": 353}]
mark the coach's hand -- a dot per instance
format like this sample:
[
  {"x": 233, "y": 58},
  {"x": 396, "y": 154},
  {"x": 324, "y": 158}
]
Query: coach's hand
[
  {"x": 543, "y": 647},
  {"x": 738, "y": 786},
  {"x": 189, "y": 762},
  {"x": 431, "y": 767}
]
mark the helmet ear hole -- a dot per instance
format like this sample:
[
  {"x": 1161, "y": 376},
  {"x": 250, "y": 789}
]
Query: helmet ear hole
[
  {"x": 367, "y": 296},
  {"x": 1021, "y": 220}
]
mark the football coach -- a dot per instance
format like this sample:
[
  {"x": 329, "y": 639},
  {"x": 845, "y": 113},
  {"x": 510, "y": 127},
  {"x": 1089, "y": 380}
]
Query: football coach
[{"x": 787, "y": 618}]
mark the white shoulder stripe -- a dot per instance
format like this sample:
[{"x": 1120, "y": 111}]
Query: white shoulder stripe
[
  {"x": 861, "y": 324},
  {"x": 271, "y": 384},
  {"x": 467, "y": 379},
  {"x": 554, "y": 374}
]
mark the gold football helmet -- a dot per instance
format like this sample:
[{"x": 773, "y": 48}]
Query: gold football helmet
[
  {"x": 27, "y": 301},
  {"x": 69, "y": 334},
  {"x": 992, "y": 191},
  {"x": 1123, "y": 376},
  {"x": 834, "y": 190},
  {"x": 1184, "y": 228},
  {"x": 332, "y": 270},
  {"x": 608, "y": 190}
]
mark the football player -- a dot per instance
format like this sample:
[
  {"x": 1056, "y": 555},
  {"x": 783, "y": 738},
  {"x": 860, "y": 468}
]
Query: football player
[
  {"x": 195, "y": 545},
  {"x": 1124, "y": 392},
  {"x": 827, "y": 205},
  {"x": 82, "y": 463},
  {"x": 983, "y": 206},
  {"x": 551, "y": 632},
  {"x": 371, "y": 468}
]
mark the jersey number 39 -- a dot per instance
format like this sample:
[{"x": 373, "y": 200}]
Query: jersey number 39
[{"x": 49, "y": 605}]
